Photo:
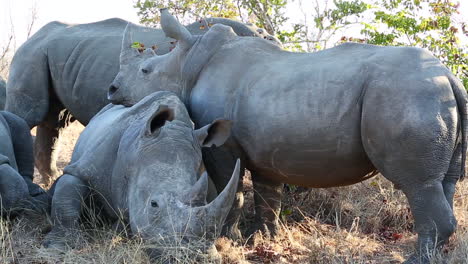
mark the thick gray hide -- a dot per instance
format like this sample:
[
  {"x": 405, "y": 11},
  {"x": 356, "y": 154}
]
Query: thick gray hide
[
  {"x": 71, "y": 66},
  {"x": 142, "y": 164},
  {"x": 2, "y": 93},
  {"x": 17, "y": 167},
  {"x": 322, "y": 119},
  {"x": 65, "y": 66}
]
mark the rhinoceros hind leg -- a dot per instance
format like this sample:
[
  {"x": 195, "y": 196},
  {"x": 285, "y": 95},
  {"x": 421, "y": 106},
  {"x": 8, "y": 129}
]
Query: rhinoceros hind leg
[
  {"x": 453, "y": 174},
  {"x": 69, "y": 194},
  {"x": 46, "y": 146},
  {"x": 411, "y": 138},
  {"x": 434, "y": 219},
  {"x": 267, "y": 198},
  {"x": 219, "y": 163}
]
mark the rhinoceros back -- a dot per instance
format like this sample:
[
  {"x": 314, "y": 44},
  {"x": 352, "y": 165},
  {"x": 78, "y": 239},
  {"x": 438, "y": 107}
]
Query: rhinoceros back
[
  {"x": 71, "y": 66},
  {"x": 88, "y": 62}
]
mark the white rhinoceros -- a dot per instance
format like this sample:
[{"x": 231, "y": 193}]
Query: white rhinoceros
[
  {"x": 322, "y": 119},
  {"x": 66, "y": 69},
  {"x": 142, "y": 164}
]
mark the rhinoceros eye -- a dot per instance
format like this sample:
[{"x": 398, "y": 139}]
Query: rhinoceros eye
[
  {"x": 154, "y": 204},
  {"x": 143, "y": 70}
]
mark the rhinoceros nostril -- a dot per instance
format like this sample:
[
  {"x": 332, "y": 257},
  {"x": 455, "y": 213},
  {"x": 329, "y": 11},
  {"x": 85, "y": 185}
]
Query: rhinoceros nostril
[{"x": 112, "y": 89}]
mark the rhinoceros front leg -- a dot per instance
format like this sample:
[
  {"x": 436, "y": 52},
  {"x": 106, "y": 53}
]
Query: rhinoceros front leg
[
  {"x": 69, "y": 194},
  {"x": 46, "y": 146},
  {"x": 267, "y": 198}
]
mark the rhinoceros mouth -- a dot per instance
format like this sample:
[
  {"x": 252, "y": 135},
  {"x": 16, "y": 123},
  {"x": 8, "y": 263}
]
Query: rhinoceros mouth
[{"x": 125, "y": 103}]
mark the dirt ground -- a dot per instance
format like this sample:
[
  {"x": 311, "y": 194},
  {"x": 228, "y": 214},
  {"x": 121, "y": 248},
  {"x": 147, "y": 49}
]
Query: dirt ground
[{"x": 369, "y": 222}]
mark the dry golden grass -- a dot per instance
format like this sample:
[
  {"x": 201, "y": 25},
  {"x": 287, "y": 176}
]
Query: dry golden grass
[{"x": 369, "y": 222}]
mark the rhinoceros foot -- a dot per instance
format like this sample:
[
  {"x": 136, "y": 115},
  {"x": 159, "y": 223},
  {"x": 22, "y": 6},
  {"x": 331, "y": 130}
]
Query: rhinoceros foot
[
  {"x": 232, "y": 231},
  {"x": 59, "y": 240},
  {"x": 40, "y": 200},
  {"x": 41, "y": 203},
  {"x": 268, "y": 230},
  {"x": 418, "y": 259},
  {"x": 204, "y": 254}
]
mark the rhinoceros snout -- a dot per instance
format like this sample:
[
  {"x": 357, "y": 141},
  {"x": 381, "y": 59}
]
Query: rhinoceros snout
[{"x": 112, "y": 94}]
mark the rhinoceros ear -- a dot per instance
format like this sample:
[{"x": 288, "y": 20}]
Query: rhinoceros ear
[
  {"x": 215, "y": 133},
  {"x": 158, "y": 119},
  {"x": 173, "y": 29}
]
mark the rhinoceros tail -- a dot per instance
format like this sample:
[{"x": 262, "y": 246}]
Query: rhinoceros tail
[{"x": 462, "y": 104}]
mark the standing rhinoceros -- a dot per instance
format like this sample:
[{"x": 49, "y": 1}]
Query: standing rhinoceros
[
  {"x": 2, "y": 93},
  {"x": 17, "y": 191},
  {"x": 320, "y": 119},
  {"x": 65, "y": 69},
  {"x": 143, "y": 162}
]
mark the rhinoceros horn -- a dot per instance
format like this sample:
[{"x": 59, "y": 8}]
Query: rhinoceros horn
[
  {"x": 197, "y": 194},
  {"x": 127, "y": 53},
  {"x": 219, "y": 208},
  {"x": 173, "y": 29},
  {"x": 215, "y": 212}
]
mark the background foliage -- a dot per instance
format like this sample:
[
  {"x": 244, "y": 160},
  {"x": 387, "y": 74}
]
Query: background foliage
[{"x": 432, "y": 24}]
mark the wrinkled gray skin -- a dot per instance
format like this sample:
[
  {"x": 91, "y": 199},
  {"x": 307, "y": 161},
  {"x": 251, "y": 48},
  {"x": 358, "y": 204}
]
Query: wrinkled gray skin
[
  {"x": 17, "y": 191},
  {"x": 322, "y": 119},
  {"x": 2, "y": 93},
  {"x": 66, "y": 69},
  {"x": 143, "y": 163}
]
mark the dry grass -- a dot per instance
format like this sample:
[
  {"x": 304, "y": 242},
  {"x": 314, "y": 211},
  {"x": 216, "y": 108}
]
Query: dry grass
[{"x": 368, "y": 222}]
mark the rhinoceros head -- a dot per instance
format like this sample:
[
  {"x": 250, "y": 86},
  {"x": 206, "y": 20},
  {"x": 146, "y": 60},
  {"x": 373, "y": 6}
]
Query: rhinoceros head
[
  {"x": 131, "y": 59},
  {"x": 144, "y": 73},
  {"x": 161, "y": 158}
]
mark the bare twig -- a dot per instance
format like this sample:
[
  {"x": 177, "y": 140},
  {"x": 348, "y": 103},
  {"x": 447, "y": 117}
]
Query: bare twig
[{"x": 33, "y": 20}]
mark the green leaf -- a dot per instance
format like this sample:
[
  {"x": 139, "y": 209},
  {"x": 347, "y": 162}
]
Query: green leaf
[{"x": 136, "y": 45}]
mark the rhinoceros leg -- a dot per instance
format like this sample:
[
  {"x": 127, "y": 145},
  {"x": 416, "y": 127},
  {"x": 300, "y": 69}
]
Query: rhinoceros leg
[
  {"x": 69, "y": 194},
  {"x": 22, "y": 144},
  {"x": 411, "y": 140},
  {"x": 267, "y": 198},
  {"x": 434, "y": 219},
  {"x": 453, "y": 175},
  {"x": 219, "y": 163},
  {"x": 14, "y": 193},
  {"x": 46, "y": 144}
]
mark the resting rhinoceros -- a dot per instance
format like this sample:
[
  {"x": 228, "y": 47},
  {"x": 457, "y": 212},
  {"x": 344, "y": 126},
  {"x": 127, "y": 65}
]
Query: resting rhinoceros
[
  {"x": 17, "y": 191},
  {"x": 143, "y": 162},
  {"x": 66, "y": 68},
  {"x": 2, "y": 93},
  {"x": 322, "y": 119}
]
